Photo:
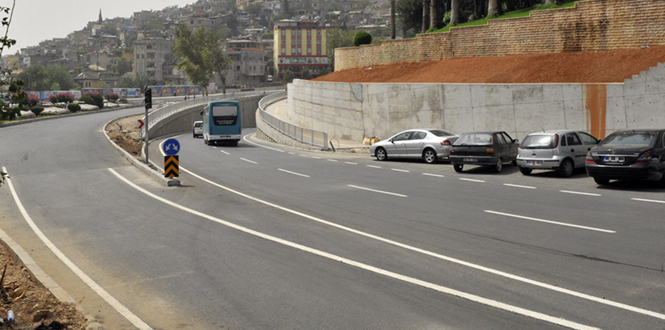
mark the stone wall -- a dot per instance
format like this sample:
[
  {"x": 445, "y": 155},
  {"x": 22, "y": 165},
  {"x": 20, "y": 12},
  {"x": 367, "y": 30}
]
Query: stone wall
[
  {"x": 590, "y": 25},
  {"x": 358, "y": 111}
]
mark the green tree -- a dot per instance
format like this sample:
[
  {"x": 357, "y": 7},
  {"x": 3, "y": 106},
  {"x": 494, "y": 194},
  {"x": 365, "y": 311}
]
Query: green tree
[
  {"x": 191, "y": 55},
  {"x": 362, "y": 38},
  {"x": 35, "y": 78},
  {"x": 215, "y": 58},
  {"x": 122, "y": 65},
  {"x": 336, "y": 38},
  {"x": 14, "y": 90},
  {"x": 289, "y": 76},
  {"x": 59, "y": 75},
  {"x": 140, "y": 81},
  {"x": 410, "y": 13},
  {"x": 304, "y": 74}
]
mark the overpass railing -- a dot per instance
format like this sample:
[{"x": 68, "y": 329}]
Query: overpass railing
[
  {"x": 157, "y": 115},
  {"x": 300, "y": 134}
]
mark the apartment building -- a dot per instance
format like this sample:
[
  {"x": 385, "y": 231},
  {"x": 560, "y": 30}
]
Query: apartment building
[
  {"x": 299, "y": 44},
  {"x": 152, "y": 56}
]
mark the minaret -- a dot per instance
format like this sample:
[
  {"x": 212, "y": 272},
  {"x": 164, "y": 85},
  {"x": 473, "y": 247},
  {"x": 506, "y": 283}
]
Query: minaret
[{"x": 99, "y": 21}]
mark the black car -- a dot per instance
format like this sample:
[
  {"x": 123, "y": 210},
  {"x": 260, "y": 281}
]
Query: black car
[
  {"x": 635, "y": 154},
  {"x": 484, "y": 148}
]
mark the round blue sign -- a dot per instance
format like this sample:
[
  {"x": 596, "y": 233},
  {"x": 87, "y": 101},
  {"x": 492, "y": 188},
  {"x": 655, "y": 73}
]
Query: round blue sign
[{"x": 171, "y": 147}]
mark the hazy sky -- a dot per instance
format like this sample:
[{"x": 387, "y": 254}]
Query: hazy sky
[{"x": 38, "y": 20}]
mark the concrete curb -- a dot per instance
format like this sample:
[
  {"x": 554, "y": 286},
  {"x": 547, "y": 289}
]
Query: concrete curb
[{"x": 137, "y": 163}]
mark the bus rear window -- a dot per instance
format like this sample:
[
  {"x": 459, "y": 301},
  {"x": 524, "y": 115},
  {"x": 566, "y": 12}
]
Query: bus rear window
[{"x": 224, "y": 110}]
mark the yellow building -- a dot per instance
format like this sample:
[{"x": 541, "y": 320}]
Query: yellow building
[{"x": 299, "y": 45}]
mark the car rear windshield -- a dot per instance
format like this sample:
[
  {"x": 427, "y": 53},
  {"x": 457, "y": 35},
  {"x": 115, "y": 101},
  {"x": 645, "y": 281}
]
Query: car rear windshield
[
  {"x": 441, "y": 133},
  {"x": 538, "y": 142},
  {"x": 630, "y": 139},
  {"x": 198, "y": 124},
  {"x": 474, "y": 139}
]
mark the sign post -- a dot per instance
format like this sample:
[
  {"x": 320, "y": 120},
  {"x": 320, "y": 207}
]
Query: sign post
[
  {"x": 171, "y": 147},
  {"x": 148, "y": 105}
]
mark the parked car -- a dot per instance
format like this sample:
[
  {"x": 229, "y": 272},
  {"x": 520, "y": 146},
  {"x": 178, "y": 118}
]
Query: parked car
[
  {"x": 560, "y": 150},
  {"x": 636, "y": 154},
  {"x": 483, "y": 148},
  {"x": 429, "y": 144},
  {"x": 197, "y": 129}
]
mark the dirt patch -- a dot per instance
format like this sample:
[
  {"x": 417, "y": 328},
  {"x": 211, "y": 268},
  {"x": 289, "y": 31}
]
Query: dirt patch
[
  {"x": 612, "y": 66},
  {"x": 34, "y": 307},
  {"x": 125, "y": 134}
]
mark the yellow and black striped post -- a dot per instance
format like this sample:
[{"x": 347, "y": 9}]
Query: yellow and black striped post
[{"x": 171, "y": 167}]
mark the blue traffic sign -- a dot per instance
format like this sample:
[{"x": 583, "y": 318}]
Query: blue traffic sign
[{"x": 171, "y": 147}]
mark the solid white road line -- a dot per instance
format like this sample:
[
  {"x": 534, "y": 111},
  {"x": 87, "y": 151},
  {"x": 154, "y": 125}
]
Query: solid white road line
[
  {"x": 518, "y": 186},
  {"x": 224, "y": 152},
  {"x": 249, "y": 161},
  {"x": 294, "y": 173},
  {"x": 373, "y": 166},
  {"x": 551, "y": 222},
  {"x": 434, "y": 175},
  {"x": 376, "y": 270},
  {"x": 488, "y": 270},
  {"x": 119, "y": 307},
  {"x": 351, "y": 163},
  {"x": 472, "y": 180},
  {"x": 579, "y": 193},
  {"x": 378, "y": 191},
  {"x": 260, "y": 145},
  {"x": 399, "y": 170},
  {"x": 648, "y": 200}
]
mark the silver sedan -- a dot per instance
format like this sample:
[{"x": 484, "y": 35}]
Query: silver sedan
[{"x": 428, "y": 144}]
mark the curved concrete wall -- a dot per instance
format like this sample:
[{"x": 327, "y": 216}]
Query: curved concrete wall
[{"x": 356, "y": 111}]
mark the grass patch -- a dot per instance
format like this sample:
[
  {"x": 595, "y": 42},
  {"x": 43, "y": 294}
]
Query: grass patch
[{"x": 513, "y": 14}]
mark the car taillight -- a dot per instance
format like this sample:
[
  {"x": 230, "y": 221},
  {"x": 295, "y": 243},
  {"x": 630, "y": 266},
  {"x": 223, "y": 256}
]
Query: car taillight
[
  {"x": 588, "y": 158},
  {"x": 645, "y": 158},
  {"x": 452, "y": 151},
  {"x": 489, "y": 150},
  {"x": 445, "y": 143},
  {"x": 556, "y": 141}
]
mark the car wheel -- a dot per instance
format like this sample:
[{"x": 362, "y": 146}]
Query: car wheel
[
  {"x": 498, "y": 166},
  {"x": 566, "y": 168},
  {"x": 430, "y": 156},
  {"x": 458, "y": 167},
  {"x": 525, "y": 171},
  {"x": 601, "y": 181},
  {"x": 381, "y": 154}
]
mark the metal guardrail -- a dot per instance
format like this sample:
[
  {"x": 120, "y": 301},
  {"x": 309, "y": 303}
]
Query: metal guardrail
[
  {"x": 300, "y": 134},
  {"x": 157, "y": 115}
]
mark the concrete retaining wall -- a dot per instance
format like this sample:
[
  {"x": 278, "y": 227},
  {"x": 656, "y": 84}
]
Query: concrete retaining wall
[
  {"x": 183, "y": 121},
  {"x": 356, "y": 111}
]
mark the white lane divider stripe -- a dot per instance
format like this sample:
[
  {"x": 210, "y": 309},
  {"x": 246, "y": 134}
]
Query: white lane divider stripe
[
  {"x": 332, "y": 160},
  {"x": 579, "y": 193},
  {"x": 373, "y": 166},
  {"x": 119, "y": 307},
  {"x": 224, "y": 152},
  {"x": 351, "y": 163},
  {"x": 302, "y": 155},
  {"x": 648, "y": 200},
  {"x": 378, "y": 191},
  {"x": 399, "y": 170},
  {"x": 249, "y": 161},
  {"x": 472, "y": 180},
  {"x": 294, "y": 173},
  {"x": 376, "y": 270},
  {"x": 434, "y": 175},
  {"x": 314, "y": 157},
  {"x": 488, "y": 270},
  {"x": 551, "y": 222},
  {"x": 518, "y": 186}
]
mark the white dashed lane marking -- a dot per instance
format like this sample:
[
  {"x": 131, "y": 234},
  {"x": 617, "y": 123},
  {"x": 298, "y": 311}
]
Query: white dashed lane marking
[
  {"x": 518, "y": 186},
  {"x": 294, "y": 173},
  {"x": 579, "y": 193},
  {"x": 550, "y": 222},
  {"x": 378, "y": 191},
  {"x": 472, "y": 180}
]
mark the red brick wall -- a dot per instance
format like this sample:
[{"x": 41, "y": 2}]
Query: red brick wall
[{"x": 590, "y": 25}]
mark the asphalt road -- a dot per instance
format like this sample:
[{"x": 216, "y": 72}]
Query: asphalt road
[{"x": 262, "y": 236}]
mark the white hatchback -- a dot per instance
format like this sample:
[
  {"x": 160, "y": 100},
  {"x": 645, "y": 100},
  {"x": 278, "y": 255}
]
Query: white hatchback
[{"x": 197, "y": 129}]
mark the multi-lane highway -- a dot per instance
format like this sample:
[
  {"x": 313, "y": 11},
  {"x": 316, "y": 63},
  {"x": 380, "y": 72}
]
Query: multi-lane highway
[{"x": 261, "y": 236}]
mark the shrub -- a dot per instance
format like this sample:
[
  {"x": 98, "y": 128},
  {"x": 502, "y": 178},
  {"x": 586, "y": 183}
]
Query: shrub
[
  {"x": 32, "y": 100},
  {"x": 112, "y": 97},
  {"x": 98, "y": 98},
  {"x": 123, "y": 101},
  {"x": 74, "y": 107},
  {"x": 87, "y": 100},
  {"x": 362, "y": 38},
  {"x": 53, "y": 99},
  {"x": 65, "y": 97},
  {"x": 37, "y": 110}
]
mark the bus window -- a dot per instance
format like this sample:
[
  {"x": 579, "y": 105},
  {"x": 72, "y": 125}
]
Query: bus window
[{"x": 224, "y": 114}]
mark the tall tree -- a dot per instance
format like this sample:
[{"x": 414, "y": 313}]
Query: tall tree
[
  {"x": 433, "y": 15},
  {"x": 392, "y": 19},
  {"x": 215, "y": 57},
  {"x": 493, "y": 8},
  {"x": 336, "y": 38},
  {"x": 425, "y": 23},
  {"x": 454, "y": 12},
  {"x": 190, "y": 49}
]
